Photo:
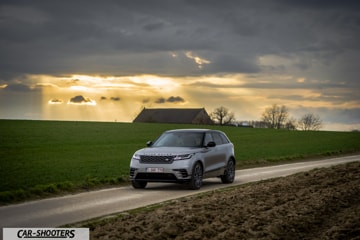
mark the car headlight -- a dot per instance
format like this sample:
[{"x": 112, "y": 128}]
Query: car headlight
[
  {"x": 183, "y": 157},
  {"x": 136, "y": 156}
]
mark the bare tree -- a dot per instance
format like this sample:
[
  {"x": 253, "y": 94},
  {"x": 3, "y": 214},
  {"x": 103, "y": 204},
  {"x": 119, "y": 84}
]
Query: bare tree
[
  {"x": 222, "y": 116},
  {"x": 310, "y": 122},
  {"x": 291, "y": 124},
  {"x": 275, "y": 116}
]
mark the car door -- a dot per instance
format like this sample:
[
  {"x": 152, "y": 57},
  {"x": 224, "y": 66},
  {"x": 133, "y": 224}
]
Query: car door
[
  {"x": 220, "y": 150},
  {"x": 213, "y": 156}
]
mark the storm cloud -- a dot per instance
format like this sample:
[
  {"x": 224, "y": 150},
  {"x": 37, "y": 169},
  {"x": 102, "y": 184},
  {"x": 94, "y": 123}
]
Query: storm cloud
[
  {"x": 296, "y": 51},
  {"x": 115, "y": 99},
  {"x": 81, "y": 100},
  {"x": 56, "y": 101},
  {"x": 132, "y": 37},
  {"x": 171, "y": 99}
]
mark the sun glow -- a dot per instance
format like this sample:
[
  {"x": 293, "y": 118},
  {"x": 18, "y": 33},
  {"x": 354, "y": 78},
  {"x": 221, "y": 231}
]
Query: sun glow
[
  {"x": 107, "y": 98},
  {"x": 198, "y": 60},
  {"x": 121, "y": 98},
  {"x": 80, "y": 88},
  {"x": 155, "y": 82},
  {"x": 87, "y": 79}
]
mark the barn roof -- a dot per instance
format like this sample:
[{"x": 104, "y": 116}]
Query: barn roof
[{"x": 173, "y": 115}]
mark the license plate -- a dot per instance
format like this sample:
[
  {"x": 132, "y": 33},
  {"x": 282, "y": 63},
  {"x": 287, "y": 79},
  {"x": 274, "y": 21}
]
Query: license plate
[{"x": 155, "y": 170}]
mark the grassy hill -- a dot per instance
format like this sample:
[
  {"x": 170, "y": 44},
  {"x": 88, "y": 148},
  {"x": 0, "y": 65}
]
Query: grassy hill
[{"x": 38, "y": 157}]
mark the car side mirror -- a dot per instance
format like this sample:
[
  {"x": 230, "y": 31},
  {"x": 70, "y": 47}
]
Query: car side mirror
[
  {"x": 211, "y": 144},
  {"x": 149, "y": 143}
]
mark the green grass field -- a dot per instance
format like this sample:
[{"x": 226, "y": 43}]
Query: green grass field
[{"x": 50, "y": 156}]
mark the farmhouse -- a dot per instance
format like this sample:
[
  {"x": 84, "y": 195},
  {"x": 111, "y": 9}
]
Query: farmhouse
[{"x": 174, "y": 115}]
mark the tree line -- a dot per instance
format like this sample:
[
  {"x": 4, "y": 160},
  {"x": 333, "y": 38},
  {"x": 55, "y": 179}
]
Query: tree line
[{"x": 276, "y": 117}]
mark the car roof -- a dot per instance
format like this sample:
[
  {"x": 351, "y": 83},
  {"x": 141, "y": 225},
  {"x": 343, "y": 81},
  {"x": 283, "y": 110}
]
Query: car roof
[
  {"x": 188, "y": 130},
  {"x": 191, "y": 130}
]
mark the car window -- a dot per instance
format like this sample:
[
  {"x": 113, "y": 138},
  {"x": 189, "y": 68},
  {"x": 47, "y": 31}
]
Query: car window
[
  {"x": 208, "y": 138},
  {"x": 179, "y": 139},
  {"x": 224, "y": 138},
  {"x": 217, "y": 139}
]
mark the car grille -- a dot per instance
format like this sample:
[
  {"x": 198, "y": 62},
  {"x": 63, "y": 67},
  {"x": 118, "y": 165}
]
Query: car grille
[
  {"x": 156, "y": 176},
  {"x": 156, "y": 159}
]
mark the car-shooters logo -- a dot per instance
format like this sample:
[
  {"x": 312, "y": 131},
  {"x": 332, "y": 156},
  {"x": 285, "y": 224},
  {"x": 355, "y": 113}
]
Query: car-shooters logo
[{"x": 46, "y": 233}]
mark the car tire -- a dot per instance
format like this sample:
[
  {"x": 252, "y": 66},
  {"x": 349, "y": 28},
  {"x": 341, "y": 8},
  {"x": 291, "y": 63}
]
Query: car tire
[
  {"x": 138, "y": 184},
  {"x": 229, "y": 175},
  {"x": 196, "y": 177}
]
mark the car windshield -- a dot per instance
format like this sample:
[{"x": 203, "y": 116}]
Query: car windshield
[{"x": 180, "y": 139}]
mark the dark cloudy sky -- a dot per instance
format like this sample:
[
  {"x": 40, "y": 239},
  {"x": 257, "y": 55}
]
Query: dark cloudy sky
[{"x": 121, "y": 56}]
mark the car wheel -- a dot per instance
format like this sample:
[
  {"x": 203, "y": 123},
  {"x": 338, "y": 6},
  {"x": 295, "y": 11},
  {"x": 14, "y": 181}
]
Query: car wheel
[
  {"x": 229, "y": 175},
  {"x": 196, "y": 177},
  {"x": 138, "y": 184}
]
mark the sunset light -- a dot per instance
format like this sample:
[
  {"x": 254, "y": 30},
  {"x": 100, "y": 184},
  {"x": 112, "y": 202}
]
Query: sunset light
[
  {"x": 107, "y": 62},
  {"x": 155, "y": 82}
]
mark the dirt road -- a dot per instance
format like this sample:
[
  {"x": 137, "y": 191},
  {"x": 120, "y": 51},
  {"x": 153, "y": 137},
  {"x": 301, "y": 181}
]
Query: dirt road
[
  {"x": 58, "y": 211},
  {"x": 319, "y": 204}
]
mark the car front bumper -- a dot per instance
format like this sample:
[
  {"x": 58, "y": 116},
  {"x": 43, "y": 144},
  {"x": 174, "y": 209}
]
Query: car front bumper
[{"x": 178, "y": 171}]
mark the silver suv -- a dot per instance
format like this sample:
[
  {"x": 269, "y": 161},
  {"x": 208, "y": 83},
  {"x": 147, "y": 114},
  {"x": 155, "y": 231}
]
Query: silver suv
[{"x": 184, "y": 156}]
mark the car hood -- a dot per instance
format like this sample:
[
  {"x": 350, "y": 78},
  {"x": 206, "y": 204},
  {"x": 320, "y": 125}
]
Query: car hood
[{"x": 167, "y": 151}]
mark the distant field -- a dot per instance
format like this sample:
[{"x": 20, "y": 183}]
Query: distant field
[{"x": 58, "y": 154}]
